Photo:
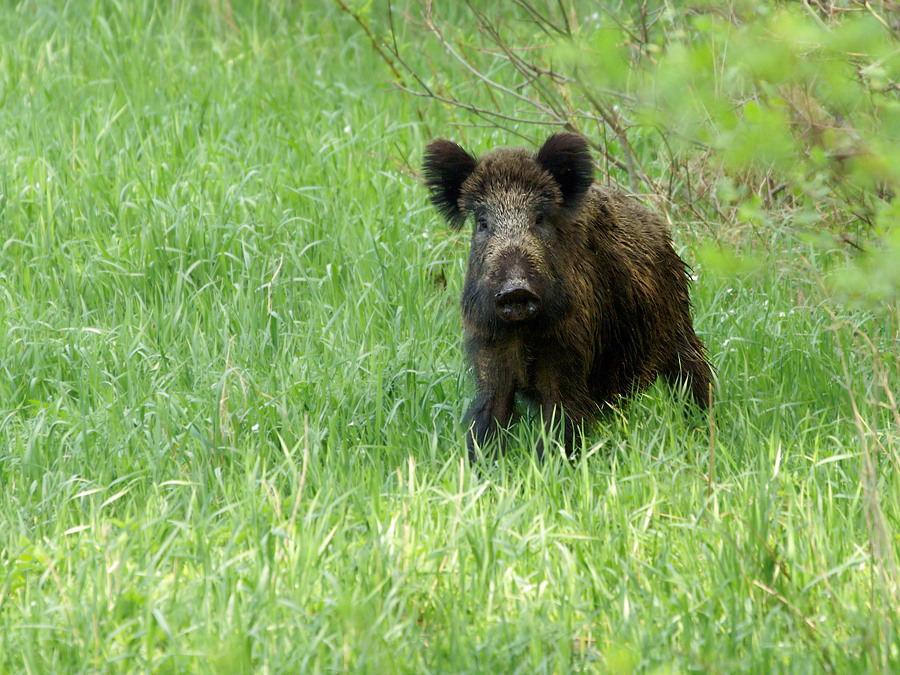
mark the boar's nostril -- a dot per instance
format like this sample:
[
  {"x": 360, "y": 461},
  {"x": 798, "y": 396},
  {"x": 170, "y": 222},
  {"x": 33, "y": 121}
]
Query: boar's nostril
[{"x": 516, "y": 302}]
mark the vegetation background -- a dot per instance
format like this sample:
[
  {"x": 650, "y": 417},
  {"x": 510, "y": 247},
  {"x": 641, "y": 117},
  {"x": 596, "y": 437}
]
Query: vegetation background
[{"x": 230, "y": 375}]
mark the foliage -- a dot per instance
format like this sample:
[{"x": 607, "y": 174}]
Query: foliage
[{"x": 803, "y": 104}]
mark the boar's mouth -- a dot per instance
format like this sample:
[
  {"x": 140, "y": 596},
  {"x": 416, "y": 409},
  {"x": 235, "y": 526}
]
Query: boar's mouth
[{"x": 516, "y": 301}]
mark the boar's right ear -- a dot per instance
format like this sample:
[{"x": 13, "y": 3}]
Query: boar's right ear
[
  {"x": 566, "y": 157},
  {"x": 446, "y": 167}
]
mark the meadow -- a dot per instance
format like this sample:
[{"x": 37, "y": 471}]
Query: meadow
[{"x": 231, "y": 390}]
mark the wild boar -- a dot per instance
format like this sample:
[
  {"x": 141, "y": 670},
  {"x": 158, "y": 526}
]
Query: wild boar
[{"x": 574, "y": 296}]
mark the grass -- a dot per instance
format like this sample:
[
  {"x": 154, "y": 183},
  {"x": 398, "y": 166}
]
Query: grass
[{"x": 231, "y": 385}]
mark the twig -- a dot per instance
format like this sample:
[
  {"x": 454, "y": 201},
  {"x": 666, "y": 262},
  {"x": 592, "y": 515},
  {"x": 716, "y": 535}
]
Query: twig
[{"x": 371, "y": 37}]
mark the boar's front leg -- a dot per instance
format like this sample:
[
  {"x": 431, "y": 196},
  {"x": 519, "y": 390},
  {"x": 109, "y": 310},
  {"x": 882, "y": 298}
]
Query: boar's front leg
[
  {"x": 574, "y": 414},
  {"x": 490, "y": 412},
  {"x": 493, "y": 408},
  {"x": 564, "y": 396}
]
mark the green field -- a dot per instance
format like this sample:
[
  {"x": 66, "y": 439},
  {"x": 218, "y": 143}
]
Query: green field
[{"x": 231, "y": 387}]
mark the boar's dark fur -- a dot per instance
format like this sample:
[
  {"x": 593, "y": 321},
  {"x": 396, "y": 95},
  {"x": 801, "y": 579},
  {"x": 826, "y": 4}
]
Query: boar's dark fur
[{"x": 574, "y": 296}]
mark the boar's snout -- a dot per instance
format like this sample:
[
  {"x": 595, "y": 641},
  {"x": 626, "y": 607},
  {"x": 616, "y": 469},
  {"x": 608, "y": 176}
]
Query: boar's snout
[{"x": 517, "y": 301}]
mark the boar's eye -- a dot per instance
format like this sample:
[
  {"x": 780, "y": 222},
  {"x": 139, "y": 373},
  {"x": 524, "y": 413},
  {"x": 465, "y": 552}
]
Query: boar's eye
[
  {"x": 481, "y": 223},
  {"x": 539, "y": 219}
]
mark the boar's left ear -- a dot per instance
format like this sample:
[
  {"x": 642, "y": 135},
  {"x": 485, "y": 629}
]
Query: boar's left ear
[
  {"x": 446, "y": 167},
  {"x": 566, "y": 157}
]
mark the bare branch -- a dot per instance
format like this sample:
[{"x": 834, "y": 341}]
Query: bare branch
[{"x": 372, "y": 39}]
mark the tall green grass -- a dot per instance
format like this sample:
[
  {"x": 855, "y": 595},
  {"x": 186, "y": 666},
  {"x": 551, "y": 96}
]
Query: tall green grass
[{"x": 231, "y": 386}]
